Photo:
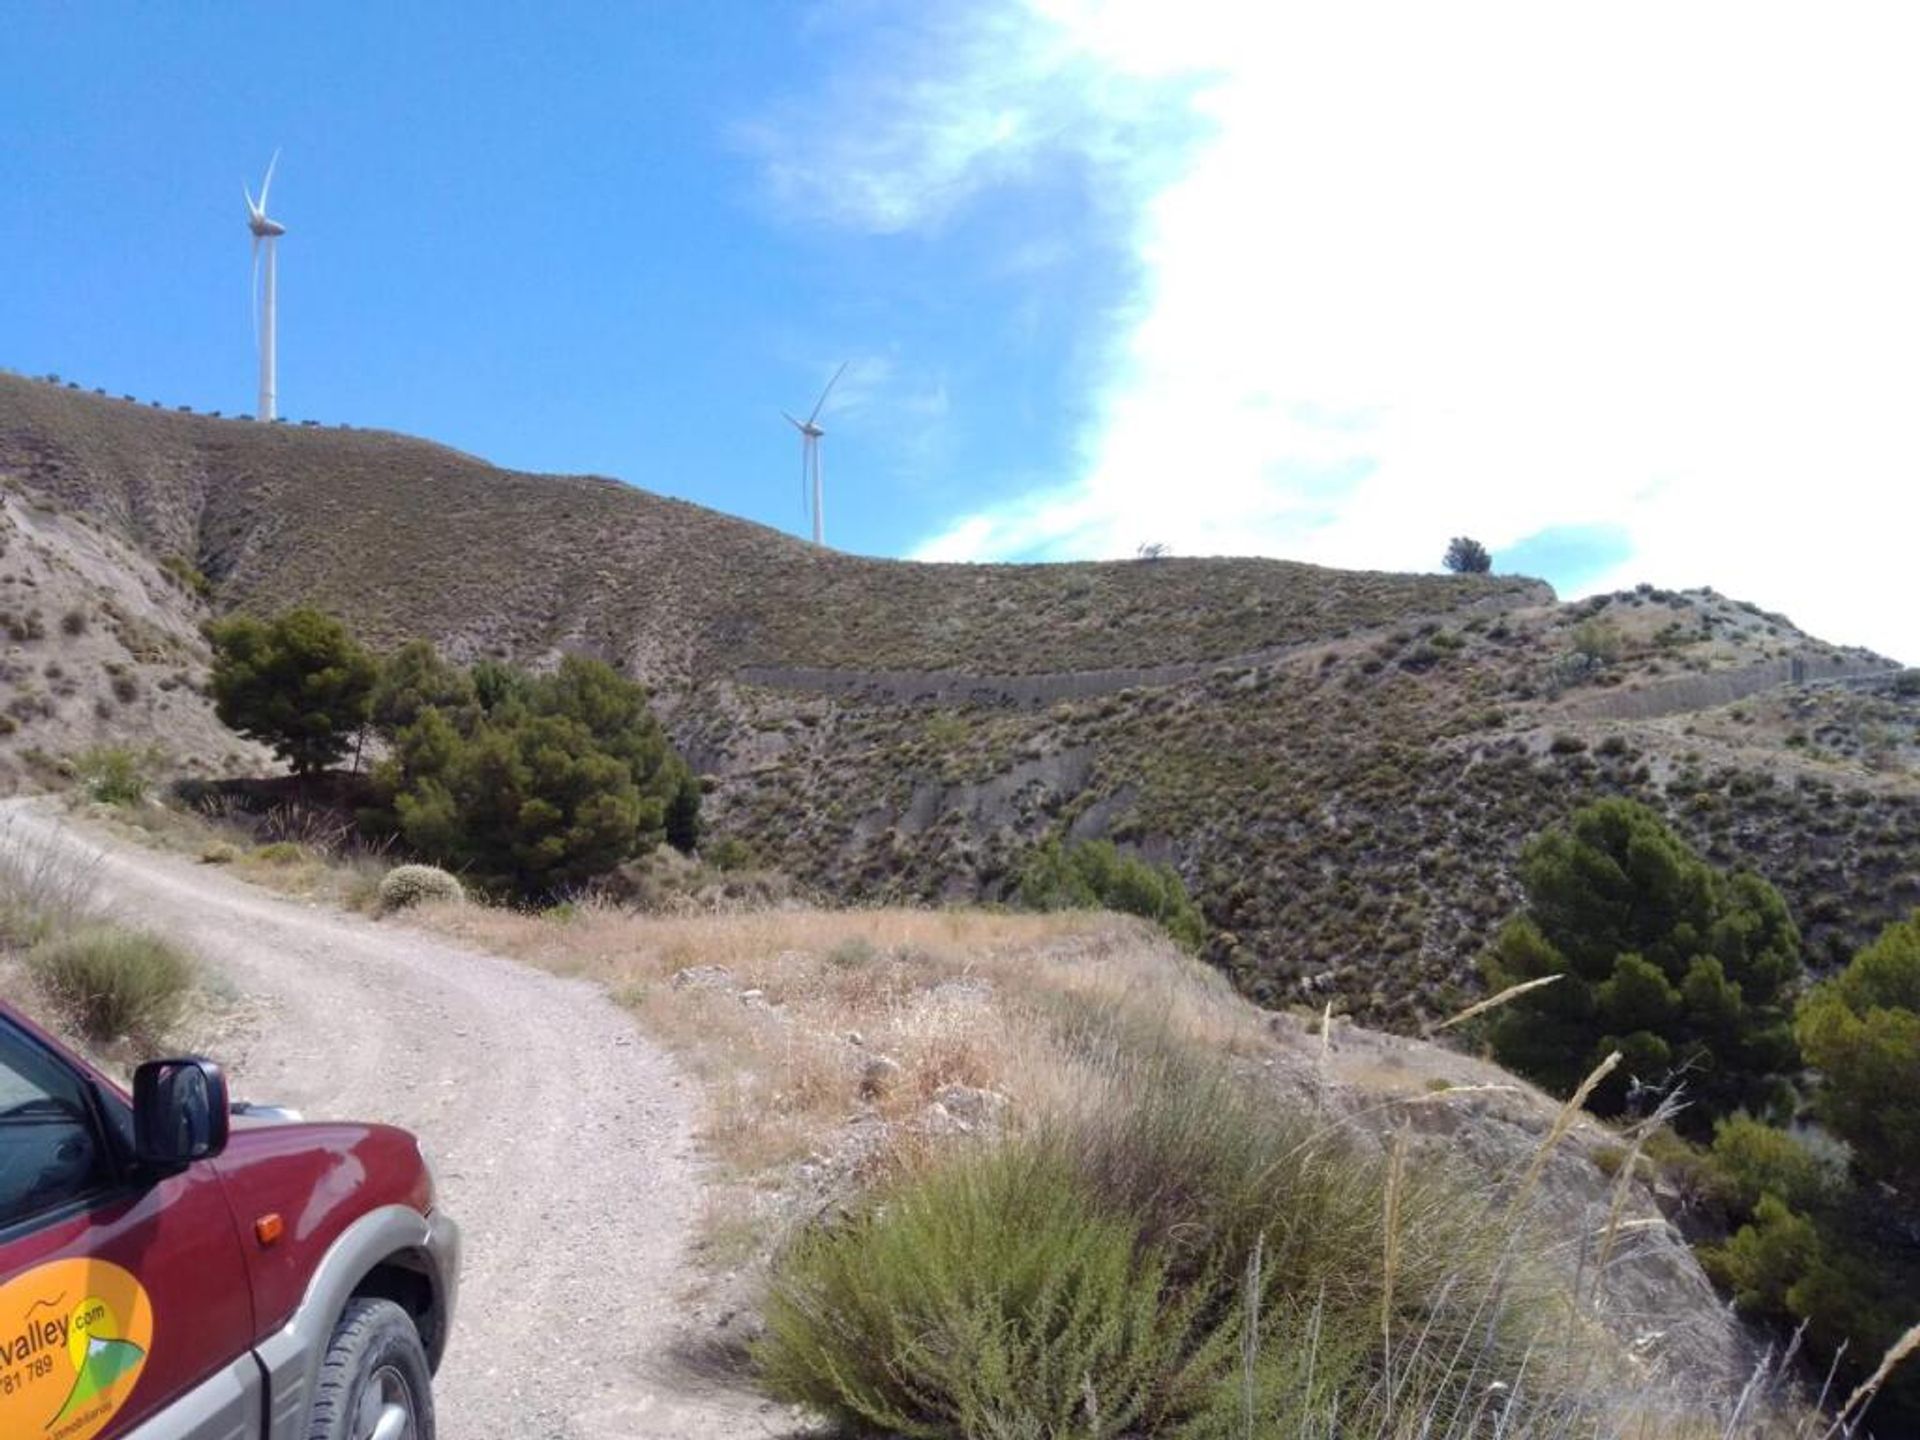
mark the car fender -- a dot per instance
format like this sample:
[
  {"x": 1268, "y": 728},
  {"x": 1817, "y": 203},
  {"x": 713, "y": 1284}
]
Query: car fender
[{"x": 292, "y": 1356}]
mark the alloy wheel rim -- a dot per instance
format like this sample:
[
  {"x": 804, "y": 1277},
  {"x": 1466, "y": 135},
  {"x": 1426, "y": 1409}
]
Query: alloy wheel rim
[{"x": 386, "y": 1407}]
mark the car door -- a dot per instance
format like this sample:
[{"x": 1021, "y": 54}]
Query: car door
[{"x": 123, "y": 1300}]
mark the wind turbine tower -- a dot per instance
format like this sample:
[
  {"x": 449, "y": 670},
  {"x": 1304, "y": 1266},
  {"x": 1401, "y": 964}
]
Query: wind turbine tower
[
  {"x": 266, "y": 236},
  {"x": 810, "y": 433}
]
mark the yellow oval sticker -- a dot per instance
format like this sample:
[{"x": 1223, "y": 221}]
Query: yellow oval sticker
[{"x": 74, "y": 1336}]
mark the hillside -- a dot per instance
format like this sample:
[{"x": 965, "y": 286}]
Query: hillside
[
  {"x": 1342, "y": 765},
  {"x": 413, "y": 538}
]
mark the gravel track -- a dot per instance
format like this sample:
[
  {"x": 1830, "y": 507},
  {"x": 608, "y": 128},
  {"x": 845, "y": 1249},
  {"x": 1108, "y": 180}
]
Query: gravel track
[{"x": 561, "y": 1137}]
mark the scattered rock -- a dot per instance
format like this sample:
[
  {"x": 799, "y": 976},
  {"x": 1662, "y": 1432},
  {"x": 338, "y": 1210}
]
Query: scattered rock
[
  {"x": 937, "y": 1120},
  {"x": 877, "y": 1076},
  {"x": 970, "y": 1105},
  {"x": 702, "y": 977},
  {"x": 971, "y": 991}
]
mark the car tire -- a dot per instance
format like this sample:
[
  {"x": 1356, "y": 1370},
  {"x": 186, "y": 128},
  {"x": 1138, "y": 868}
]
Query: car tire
[{"x": 374, "y": 1383}]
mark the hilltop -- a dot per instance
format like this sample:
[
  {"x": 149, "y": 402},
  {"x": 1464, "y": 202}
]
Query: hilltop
[
  {"x": 405, "y": 538},
  {"x": 1342, "y": 765}
]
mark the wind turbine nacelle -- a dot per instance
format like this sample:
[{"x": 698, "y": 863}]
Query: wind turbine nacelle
[{"x": 266, "y": 228}]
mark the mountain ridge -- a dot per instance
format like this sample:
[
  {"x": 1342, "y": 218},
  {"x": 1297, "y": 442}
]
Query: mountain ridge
[{"x": 1342, "y": 765}]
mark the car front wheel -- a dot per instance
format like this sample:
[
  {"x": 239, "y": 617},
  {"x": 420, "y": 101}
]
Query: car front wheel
[{"x": 374, "y": 1383}]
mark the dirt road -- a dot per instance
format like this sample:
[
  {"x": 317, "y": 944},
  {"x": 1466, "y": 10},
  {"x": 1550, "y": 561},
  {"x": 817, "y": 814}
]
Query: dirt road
[{"x": 561, "y": 1137}]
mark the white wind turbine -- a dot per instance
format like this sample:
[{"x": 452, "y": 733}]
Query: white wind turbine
[
  {"x": 266, "y": 233},
  {"x": 810, "y": 433}
]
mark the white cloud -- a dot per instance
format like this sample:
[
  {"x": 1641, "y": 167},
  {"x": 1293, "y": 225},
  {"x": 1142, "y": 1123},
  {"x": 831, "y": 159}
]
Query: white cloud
[
  {"x": 944, "y": 101},
  {"x": 1480, "y": 268}
]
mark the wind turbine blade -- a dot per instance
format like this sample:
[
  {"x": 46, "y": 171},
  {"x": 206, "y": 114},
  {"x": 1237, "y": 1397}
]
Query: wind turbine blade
[
  {"x": 828, "y": 391},
  {"x": 267, "y": 184},
  {"x": 795, "y": 423}
]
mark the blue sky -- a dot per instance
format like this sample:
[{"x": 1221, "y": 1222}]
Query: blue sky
[{"x": 1627, "y": 295}]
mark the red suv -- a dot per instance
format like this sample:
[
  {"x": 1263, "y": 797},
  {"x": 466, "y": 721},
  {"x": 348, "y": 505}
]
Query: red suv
[{"x": 174, "y": 1267}]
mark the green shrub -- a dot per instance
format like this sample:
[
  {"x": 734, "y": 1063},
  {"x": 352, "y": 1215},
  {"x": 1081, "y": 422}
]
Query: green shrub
[
  {"x": 989, "y": 1297},
  {"x": 117, "y": 981},
  {"x": 1467, "y": 556},
  {"x": 1751, "y": 1160},
  {"x": 1187, "y": 1262},
  {"x": 298, "y": 683},
  {"x": 1765, "y": 1259},
  {"x": 412, "y": 680},
  {"x": 115, "y": 774},
  {"x": 406, "y": 885},
  {"x": 682, "y": 824},
  {"x": 856, "y": 952},
  {"x": 218, "y": 852},
  {"x": 1094, "y": 875},
  {"x": 551, "y": 781},
  {"x": 729, "y": 852},
  {"x": 282, "y": 852},
  {"x": 1862, "y": 1030},
  {"x": 1597, "y": 641},
  {"x": 184, "y": 573},
  {"x": 1683, "y": 969}
]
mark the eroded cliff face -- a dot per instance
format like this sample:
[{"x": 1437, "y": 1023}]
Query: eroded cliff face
[{"x": 99, "y": 645}]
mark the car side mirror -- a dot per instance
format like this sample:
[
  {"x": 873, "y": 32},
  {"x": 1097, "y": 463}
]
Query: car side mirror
[{"x": 179, "y": 1112}]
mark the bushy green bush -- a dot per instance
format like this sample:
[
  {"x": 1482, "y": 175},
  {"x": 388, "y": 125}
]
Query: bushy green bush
[
  {"x": 406, "y": 885},
  {"x": 1597, "y": 641},
  {"x": 1467, "y": 556},
  {"x": 729, "y": 853},
  {"x": 1861, "y": 1029},
  {"x": 413, "y": 679},
  {"x": 1751, "y": 1160},
  {"x": 1812, "y": 1245},
  {"x": 1685, "y": 970},
  {"x": 1186, "y": 1262},
  {"x": 989, "y": 1297},
  {"x": 115, "y": 774},
  {"x": 298, "y": 683},
  {"x": 117, "y": 981},
  {"x": 1095, "y": 875},
  {"x": 546, "y": 782},
  {"x": 683, "y": 814}
]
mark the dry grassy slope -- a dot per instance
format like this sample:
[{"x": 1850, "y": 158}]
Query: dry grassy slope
[{"x": 411, "y": 538}]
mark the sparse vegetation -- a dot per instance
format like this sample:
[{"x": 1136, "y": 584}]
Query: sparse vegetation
[
  {"x": 184, "y": 573},
  {"x": 1597, "y": 641}
]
